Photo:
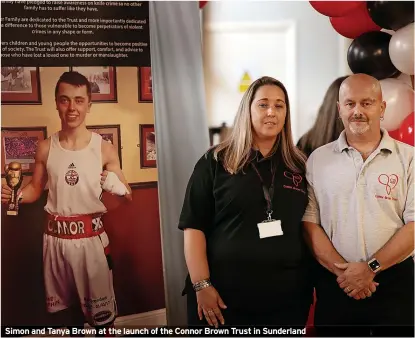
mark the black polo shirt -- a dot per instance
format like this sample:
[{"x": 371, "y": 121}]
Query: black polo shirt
[{"x": 227, "y": 208}]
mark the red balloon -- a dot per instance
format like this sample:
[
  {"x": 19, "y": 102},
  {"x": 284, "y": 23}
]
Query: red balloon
[
  {"x": 202, "y": 4},
  {"x": 394, "y": 134},
  {"x": 336, "y": 8},
  {"x": 405, "y": 133},
  {"x": 355, "y": 23},
  {"x": 406, "y": 130}
]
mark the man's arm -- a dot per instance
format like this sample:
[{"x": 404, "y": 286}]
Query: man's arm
[
  {"x": 314, "y": 235},
  {"x": 317, "y": 239},
  {"x": 322, "y": 248},
  {"x": 112, "y": 164},
  {"x": 34, "y": 189},
  {"x": 400, "y": 246}
]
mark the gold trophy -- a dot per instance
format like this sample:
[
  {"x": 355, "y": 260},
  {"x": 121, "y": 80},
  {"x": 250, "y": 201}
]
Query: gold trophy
[{"x": 14, "y": 180}]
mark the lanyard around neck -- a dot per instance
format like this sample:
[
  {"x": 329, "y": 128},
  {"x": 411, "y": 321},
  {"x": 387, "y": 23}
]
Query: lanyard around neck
[{"x": 268, "y": 192}]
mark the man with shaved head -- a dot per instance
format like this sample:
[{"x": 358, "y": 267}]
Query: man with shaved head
[{"x": 359, "y": 222}]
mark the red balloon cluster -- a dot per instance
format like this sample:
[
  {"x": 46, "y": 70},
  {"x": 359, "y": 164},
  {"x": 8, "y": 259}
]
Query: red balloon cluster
[
  {"x": 348, "y": 18},
  {"x": 405, "y": 133},
  {"x": 335, "y": 8},
  {"x": 355, "y": 23}
]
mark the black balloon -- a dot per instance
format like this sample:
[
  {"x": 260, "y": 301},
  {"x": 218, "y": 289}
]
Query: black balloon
[
  {"x": 369, "y": 54},
  {"x": 391, "y": 14}
]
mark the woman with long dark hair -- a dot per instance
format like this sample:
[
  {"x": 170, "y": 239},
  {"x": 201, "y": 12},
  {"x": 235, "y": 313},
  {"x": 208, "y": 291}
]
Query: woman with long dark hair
[{"x": 327, "y": 126}]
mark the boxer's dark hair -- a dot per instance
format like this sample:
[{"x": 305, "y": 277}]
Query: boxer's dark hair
[{"x": 74, "y": 79}]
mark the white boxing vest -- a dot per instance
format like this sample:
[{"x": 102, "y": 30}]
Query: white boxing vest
[{"x": 74, "y": 178}]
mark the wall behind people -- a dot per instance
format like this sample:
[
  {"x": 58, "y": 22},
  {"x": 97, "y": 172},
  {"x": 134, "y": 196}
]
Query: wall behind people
[{"x": 320, "y": 55}]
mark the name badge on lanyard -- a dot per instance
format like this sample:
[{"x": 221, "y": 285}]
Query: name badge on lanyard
[{"x": 269, "y": 227}]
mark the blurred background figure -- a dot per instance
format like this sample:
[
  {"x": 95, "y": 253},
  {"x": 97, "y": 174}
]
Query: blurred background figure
[{"x": 327, "y": 126}]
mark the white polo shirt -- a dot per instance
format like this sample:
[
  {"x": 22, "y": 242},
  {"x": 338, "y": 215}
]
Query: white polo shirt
[{"x": 360, "y": 204}]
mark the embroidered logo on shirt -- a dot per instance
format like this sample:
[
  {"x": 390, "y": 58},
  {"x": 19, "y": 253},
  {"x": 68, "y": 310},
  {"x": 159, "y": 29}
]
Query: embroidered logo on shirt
[
  {"x": 296, "y": 179},
  {"x": 389, "y": 181},
  {"x": 71, "y": 176}
]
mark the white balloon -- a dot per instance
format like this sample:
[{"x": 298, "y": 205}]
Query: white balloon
[
  {"x": 401, "y": 49},
  {"x": 405, "y": 78},
  {"x": 399, "y": 98}
]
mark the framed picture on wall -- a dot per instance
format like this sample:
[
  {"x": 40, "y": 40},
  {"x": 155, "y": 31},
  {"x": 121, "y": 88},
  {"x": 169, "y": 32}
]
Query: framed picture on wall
[
  {"x": 110, "y": 133},
  {"x": 147, "y": 146},
  {"x": 145, "y": 85},
  {"x": 20, "y": 85},
  {"x": 19, "y": 145},
  {"x": 103, "y": 82}
]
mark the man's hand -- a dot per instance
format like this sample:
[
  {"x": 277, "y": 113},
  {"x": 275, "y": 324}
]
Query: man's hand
[
  {"x": 112, "y": 178},
  {"x": 6, "y": 193},
  {"x": 357, "y": 279},
  {"x": 111, "y": 183},
  {"x": 104, "y": 175}
]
